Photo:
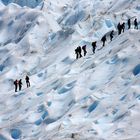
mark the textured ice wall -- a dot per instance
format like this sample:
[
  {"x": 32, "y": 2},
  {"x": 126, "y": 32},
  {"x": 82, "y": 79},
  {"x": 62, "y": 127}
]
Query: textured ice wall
[{"x": 29, "y": 3}]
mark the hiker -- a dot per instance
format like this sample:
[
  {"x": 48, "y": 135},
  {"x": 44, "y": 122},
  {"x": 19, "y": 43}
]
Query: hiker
[
  {"x": 20, "y": 84},
  {"x": 27, "y": 81},
  {"x": 94, "y": 46},
  {"x": 79, "y": 51},
  {"x": 123, "y": 26},
  {"x": 16, "y": 85},
  {"x": 135, "y": 24},
  {"x": 84, "y": 49},
  {"x": 129, "y": 23},
  {"x": 119, "y": 28},
  {"x": 76, "y": 52},
  {"x": 111, "y": 35},
  {"x": 103, "y": 40}
]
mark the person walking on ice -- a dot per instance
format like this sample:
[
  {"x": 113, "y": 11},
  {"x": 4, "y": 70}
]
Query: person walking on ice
[
  {"x": 94, "y": 46},
  {"x": 119, "y": 28},
  {"x": 111, "y": 35},
  {"x": 84, "y": 50},
  {"x": 135, "y": 24},
  {"x": 123, "y": 26},
  {"x": 16, "y": 85},
  {"x": 76, "y": 52},
  {"x": 129, "y": 23},
  {"x": 80, "y": 51},
  {"x": 103, "y": 40},
  {"x": 27, "y": 81},
  {"x": 20, "y": 84}
]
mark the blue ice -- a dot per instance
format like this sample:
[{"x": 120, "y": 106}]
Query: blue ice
[
  {"x": 113, "y": 60},
  {"x": 131, "y": 106},
  {"x": 2, "y": 137},
  {"x": 38, "y": 122},
  {"x": 39, "y": 94},
  {"x": 109, "y": 23},
  {"x": 10, "y": 23},
  {"x": 120, "y": 116},
  {"x": 41, "y": 108},
  {"x": 29, "y": 3},
  {"x": 64, "y": 90},
  {"x": 45, "y": 114},
  {"x": 15, "y": 133},
  {"x": 93, "y": 87},
  {"x": 49, "y": 103},
  {"x": 136, "y": 70},
  {"x": 2, "y": 67},
  {"x": 68, "y": 87},
  {"x": 49, "y": 120},
  {"x": 93, "y": 106},
  {"x": 71, "y": 84},
  {"x": 138, "y": 97},
  {"x": 122, "y": 98}
]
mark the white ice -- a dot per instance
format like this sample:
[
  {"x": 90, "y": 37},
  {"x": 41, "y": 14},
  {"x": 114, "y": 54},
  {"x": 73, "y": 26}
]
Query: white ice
[{"x": 96, "y": 97}]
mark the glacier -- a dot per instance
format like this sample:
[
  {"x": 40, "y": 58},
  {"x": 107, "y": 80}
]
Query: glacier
[
  {"x": 96, "y": 97},
  {"x": 28, "y": 3}
]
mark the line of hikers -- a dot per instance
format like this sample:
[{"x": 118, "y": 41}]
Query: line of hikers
[
  {"x": 18, "y": 83},
  {"x": 78, "y": 51},
  {"x": 120, "y": 27}
]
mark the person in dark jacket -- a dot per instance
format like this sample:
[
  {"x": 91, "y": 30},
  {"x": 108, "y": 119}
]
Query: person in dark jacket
[
  {"x": 119, "y": 28},
  {"x": 84, "y": 50},
  {"x": 20, "y": 84},
  {"x": 94, "y": 46},
  {"x": 76, "y": 52},
  {"x": 129, "y": 23},
  {"x": 111, "y": 35},
  {"x": 135, "y": 24},
  {"x": 27, "y": 81},
  {"x": 103, "y": 40},
  {"x": 123, "y": 26},
  {"x": 80, "y": 51},
  {"x": 16, "y": 85}
]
